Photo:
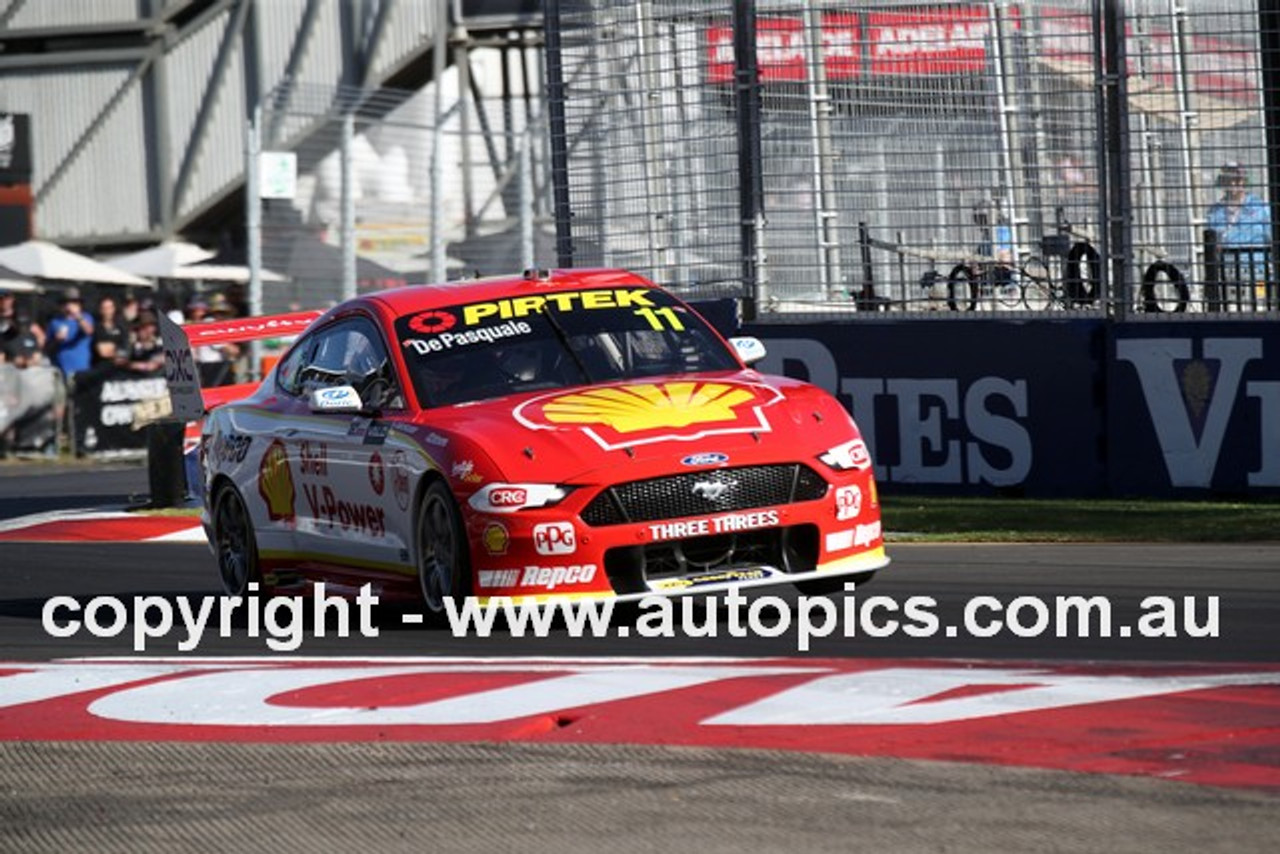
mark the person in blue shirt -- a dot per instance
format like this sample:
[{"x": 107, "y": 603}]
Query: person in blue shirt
[
  {"x": 995, "y": 241},
  {"x": 1242, "y": 221},
  {"x": 70, "y": 334}
]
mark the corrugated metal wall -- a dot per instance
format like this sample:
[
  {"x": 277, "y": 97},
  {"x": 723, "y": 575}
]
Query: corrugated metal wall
[{"x": 132, "y": 143}]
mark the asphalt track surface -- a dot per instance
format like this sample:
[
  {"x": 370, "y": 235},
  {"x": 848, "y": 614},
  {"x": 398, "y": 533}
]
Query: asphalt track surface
[{"x": 529, "y": 797}]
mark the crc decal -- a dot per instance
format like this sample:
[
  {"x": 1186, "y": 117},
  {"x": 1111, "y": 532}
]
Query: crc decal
[
  {"x": 709, "y": 458},
  {"x": 377, "y": 473},
  {"x": 275, "y": 483},
  {"x": 555, "y": 538},
  {"x": 506, "y": 309},
  {"x": 495, "y": 538},
  {"x": 432, "y": 322},
  {"x": 727, "y": 524},
  {"x": 642, "y": 413},
  {"x": 400, "y": 478},
  {"x": 848, "y": 502}
]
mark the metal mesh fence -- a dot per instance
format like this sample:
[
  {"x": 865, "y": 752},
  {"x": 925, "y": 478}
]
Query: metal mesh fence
[
  {"x": 917, "y": 157},
  {"x": 396, "y": 187}
]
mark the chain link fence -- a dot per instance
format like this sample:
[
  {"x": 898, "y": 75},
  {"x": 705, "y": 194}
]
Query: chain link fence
[{"x": 949, "y": 157}]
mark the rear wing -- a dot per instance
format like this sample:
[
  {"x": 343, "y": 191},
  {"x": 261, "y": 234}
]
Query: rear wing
[{"x": 190, "y": 402}]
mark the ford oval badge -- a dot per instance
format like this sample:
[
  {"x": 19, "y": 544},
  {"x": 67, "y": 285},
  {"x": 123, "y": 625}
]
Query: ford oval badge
[{"x": 710, "y": 458}]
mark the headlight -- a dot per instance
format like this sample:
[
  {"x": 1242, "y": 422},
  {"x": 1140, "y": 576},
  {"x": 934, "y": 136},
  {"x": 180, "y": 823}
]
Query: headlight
[
  {"x": 510, "y": 497},
  {"x": 851, "y": 455}
]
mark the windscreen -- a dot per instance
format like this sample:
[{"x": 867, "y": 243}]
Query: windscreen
[{"x": 481, "y": 350}]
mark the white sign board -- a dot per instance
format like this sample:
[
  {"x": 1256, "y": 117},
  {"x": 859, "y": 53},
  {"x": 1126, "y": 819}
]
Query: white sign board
[{"x": 278, "y": 174}]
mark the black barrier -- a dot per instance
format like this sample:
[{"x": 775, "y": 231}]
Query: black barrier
[
  {"x": 1194, "y": 408},
  {"x": 964, "y": 406},
  {"x": 1052, "y": 408},
  {"x": 106, "y": 402}
]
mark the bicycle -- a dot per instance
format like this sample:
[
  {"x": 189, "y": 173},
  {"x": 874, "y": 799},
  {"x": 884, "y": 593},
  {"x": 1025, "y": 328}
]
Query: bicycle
[
  {"x": 1034, "y": 285},
  {"x": 1031, "y": 285}
]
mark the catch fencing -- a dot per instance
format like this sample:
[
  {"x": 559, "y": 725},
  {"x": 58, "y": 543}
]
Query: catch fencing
[{"x": 830, "y": 159}]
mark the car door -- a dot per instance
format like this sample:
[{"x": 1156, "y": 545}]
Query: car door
[{"x": 342, "y": 457}]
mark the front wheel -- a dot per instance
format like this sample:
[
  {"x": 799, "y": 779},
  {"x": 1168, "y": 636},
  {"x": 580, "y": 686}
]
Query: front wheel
[
  {"x": 443, "y": 556},
  {"x": 235, "y": 546}
]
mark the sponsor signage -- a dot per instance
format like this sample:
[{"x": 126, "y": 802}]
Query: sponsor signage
[{"x": 1077, "y": 407}]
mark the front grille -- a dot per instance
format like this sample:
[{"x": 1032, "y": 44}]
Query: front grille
[{"x": 703, "y": 492}]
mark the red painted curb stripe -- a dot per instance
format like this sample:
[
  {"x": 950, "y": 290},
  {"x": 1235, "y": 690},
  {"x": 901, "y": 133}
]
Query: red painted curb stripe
[
  {"x": 1223, "y": 730},
  {"x": 131, "y": 529}
]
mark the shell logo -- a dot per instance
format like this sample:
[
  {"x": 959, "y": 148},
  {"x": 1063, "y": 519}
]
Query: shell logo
[{"x": 621, "y": 416}]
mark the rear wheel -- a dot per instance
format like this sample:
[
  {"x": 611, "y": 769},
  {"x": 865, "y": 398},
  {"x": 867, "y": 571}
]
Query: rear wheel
[
  {"x": 235, "y": 546},
  {"x": 443, "y": 564}
]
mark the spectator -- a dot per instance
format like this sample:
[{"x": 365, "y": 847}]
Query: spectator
[
  {"x": 110, "y": 335},
  {"x": 1242, "y": 222},
  {"x": 129, "y": 310},
  {"x": 146, "y": 349},
  {"x": 16, "y": 331},
  {"x": 146, "y": 353},
  {"x": 214, "y": 361},
  {"x": 995, "y": 243},
  {"x": 70, "y": 334}
]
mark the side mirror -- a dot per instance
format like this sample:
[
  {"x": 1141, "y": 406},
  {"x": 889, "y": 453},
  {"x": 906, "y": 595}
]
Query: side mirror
[
  {"x": 336, "y": 399},
  {"x": 749, "y": 349}
]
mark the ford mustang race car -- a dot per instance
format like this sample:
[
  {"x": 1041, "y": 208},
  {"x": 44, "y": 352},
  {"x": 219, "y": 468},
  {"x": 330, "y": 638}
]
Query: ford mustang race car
[{"x": 566, "y": 433}]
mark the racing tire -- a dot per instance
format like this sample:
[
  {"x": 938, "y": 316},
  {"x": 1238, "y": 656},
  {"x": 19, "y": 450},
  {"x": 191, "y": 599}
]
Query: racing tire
[
  {"x": 1163, "y": 285},
  {"x": 833, "y": 586},
  {"x": 962, "y": 289},
  {"x": 235, "y": 547},
  {"x": 443, "y": 559}
]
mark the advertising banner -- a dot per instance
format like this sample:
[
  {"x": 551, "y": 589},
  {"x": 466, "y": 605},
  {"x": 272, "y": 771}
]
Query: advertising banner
[
  {"x": 962, "y": 406},
  {"x": 107, "y": 404},
  {"x": 1194, "y": 408}
]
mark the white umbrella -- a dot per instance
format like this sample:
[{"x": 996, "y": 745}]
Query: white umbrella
[
  {"x": 221, "y": 273},
  {"x": 47, "y": 261},
  {"x": 16, "y": 283},
  {"x": 161, "y": 260}
]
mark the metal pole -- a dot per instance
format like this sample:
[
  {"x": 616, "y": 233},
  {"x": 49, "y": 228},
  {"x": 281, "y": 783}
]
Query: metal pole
[
  {"x": 1118, "y": 205},
  {"x": 653, "y": 163},
  {"x": 525, "y": 143},
  {"x": 347, "y": 214},
  {"x": 823, "y": 154},
  {"x": 1188, "y": 136},
  {"x": 1269, "y": 20},
  {"x": 558, "y": 135},
  {"x": 462, "y": 66},
  {"x": 438, "y": 270},
  {"x": 253, "y": 230},
  {"x": 750, "y": 160},
  {"x": 1005, "y": 110}
]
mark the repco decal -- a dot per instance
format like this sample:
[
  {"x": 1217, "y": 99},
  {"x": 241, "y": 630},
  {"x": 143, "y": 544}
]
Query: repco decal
[{"x": 642, "y": 413}]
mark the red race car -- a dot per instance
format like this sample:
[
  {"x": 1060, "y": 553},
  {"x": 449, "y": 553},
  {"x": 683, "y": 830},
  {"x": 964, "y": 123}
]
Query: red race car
[{"x": 568, "y": 433}]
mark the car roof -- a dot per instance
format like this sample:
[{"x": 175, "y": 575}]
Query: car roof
[{"x": 400, "y": 301}]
